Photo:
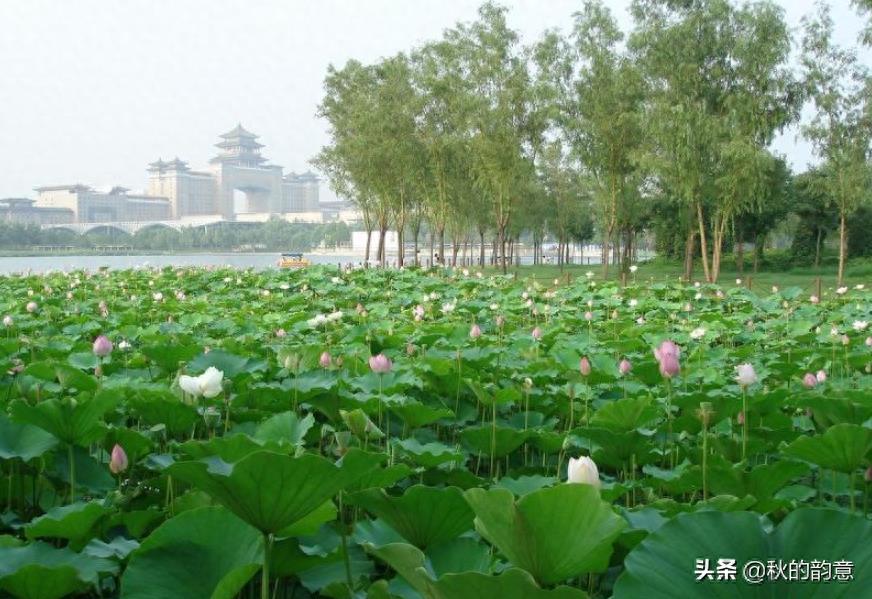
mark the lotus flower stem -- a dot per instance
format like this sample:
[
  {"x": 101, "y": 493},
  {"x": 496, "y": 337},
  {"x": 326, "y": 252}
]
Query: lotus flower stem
[
  {"x": 744, "y": 422},
  {"x": 348, "y": 578},
  {"x": 493, "y": 435},
  {"x": 851, "y": 490},
  {"x": 72, "y": 473},
  {"x": 264, "y": 575}
]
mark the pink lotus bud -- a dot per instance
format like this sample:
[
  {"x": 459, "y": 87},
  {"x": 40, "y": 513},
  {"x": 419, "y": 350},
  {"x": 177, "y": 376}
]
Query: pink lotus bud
[
  {"x": 584, "y": 366},
  {"x": 118, "y": 462},
  {"x": 500, "y": 321},
  {"x": 588, "y": 315},
  {"x": 31, "y": 307},
  {"x": 821, "y": 376},
  {"x": 624, "y": 367},
  {"x": 475, "y": 332},
  {"x": 102, "y": 346},
  {"x": 281, "y": 333},
  {"x": 809, "y": 381},
  {"x": 325, "y": 360},
  {"x": 669, "y": 366},
  {"x": 537, "y": 333},
  {"x": 740, "y": 418},
  {"x": 380, "y": 364}
]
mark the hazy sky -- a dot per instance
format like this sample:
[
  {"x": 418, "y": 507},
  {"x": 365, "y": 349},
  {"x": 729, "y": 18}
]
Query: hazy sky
[{"x": 93, "y": 90}]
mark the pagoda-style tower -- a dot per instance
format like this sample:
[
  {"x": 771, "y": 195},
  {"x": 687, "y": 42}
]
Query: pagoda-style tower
[
  {"x": 245, "y": 183},
  {"x": 239, "y": 148}
]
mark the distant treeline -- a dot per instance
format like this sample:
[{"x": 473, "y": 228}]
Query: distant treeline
[{"x": 275, "y": 234}]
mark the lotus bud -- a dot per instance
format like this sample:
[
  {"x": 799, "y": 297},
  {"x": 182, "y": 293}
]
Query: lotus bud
[
  {"x": 584, "y": 366},
  {"x": 624, "y": 367},
  {"x": 32, "y": 307},
  {"x": 588, "y": 316},
  {"x": 809, "y": 381},
  {"x": 102, "y": 346},
  {"x": 118, "y": 462},
  {"x": 475, "y": 331},
  {"x": 537, "y": 334},
  {"x": 583, "y": 471},
  {"x": 280, "y": 333},
  {"x": 325, "y": 360},
  {"x": 821, "y": 376},
  {"x": 7, "y": 321},
  {"x": 528, "y": 383},
  {"x": 669, "y": 366}
]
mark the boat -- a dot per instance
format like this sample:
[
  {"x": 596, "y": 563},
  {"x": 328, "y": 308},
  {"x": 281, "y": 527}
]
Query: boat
[{"x": 293, "y": 260}]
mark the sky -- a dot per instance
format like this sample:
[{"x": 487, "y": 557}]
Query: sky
[{"x": 94, "y": 90}]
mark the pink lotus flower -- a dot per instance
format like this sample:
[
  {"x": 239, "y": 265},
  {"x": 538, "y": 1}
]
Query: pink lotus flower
[
  {"x": 809, "y": 381},
  {"x": 669, "y": 366},
  {"x": 281, "y": 333},
  {"x": 588, "y": 315},
  {"x": 118, "y": 462},
  {"x": 325, "y": 360},
  {"x": 584, "y": 366},
  {"x": 475, "y": 332},
  {"x": 537, "y": 333},
  {"x": 667, "y": 348},
  {"x": 624, "y": 367},
  {"x": 31, "y": 307},
  {"x": 740, "y": 418},
  {"x": 380, "y": 364},
  {"x": 102, "y": 346}
]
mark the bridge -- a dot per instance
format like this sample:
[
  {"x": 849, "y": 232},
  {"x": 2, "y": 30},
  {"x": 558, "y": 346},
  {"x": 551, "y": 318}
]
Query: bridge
[{"x": 132, "y": 228}]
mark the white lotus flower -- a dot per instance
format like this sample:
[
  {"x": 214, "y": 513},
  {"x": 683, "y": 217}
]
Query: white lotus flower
[
  {"x": 448, "y": 307},
  {"x": 697, "y": 333},
  {"x": 745, "y": 375},
  {"x": 842, "y": 290},
  {"x": 634, "y": 302},
  {"x": 334, "y": 316},
  {"x": 589, "y": 274},
  {"x": 634, "y": 268},
  {"x": 859, "y": 286},
  {"x": 207, "y": 384},
  {"x": 583, "y": 471},
  {"x": 860, "y": 325}
]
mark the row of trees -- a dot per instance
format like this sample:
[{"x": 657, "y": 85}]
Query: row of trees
[
  {"x": 667, "y": 129},
  {"x": 276, "y": 234}
]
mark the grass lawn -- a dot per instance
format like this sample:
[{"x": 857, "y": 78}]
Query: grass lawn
[{"x": 762, "y": 281}]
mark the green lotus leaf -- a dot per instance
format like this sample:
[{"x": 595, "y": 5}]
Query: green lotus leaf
[
  {"x": 663, "y": 565},
  {"x": 75, "y": 422},
  {"x": 843, "y": 447},
  {"x": 554, "y": 533},
  {"x": 40, "y": 571},
  {"x": 205, "y": 553},
  {"x": 76, "y": 522},
  {"x": 424, "y": 516},
  {"x": 284, "y": 428},
  {"x": 271, "y": 491},
  {"x": 23, "y": 441},
  {"x": 500, "y": 441}
]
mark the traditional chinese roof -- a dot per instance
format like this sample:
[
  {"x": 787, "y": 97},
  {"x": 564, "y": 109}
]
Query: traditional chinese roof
[{"x": 239, "y": 131}]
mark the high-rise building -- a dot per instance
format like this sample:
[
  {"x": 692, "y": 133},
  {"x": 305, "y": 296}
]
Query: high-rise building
[{"x": 301, "y": 192}]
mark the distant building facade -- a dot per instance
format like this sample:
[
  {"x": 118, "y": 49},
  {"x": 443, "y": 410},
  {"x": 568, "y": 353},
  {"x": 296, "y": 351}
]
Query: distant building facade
[
  {"x": 88, "y": 205},
  {"x": 22, "y": 210},
  {"x": 238, "y": 184}
]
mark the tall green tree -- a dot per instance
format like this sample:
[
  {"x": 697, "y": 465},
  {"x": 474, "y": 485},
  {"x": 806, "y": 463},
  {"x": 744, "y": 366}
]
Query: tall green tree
[{"x": 841, "y": 129}]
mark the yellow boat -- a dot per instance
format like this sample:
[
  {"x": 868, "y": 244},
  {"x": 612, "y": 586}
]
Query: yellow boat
[{"x": 293, "y": 261}]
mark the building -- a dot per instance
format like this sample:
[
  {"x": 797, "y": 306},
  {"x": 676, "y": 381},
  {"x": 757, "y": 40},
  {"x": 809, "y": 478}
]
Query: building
[
  {"x": 301, "y": 192},
  {"x": 22, "y": 210},
  {"x": 238, "y": 184},
  {"x": 88, "y": 205}
]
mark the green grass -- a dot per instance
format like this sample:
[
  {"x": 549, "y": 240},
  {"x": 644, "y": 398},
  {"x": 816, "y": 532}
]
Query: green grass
[{"x": 761, "y": 281}]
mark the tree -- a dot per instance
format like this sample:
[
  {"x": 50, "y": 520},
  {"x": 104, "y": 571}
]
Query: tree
[{"x": 841, "y": 129}]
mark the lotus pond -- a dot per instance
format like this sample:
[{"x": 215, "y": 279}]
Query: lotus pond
[{"x": 395, "y": 434}]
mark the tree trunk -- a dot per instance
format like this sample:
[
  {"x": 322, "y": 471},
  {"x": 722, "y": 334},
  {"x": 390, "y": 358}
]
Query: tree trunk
[
  {"x": 368, "y": 244},
  {"x": 817, "y": 248},
  {"x": 481, "y": 249},
  {"x": 607, "y": 242},
  {"x": 703, "y": 246},
  {"x": 740, "y": 252},
  {"x": 415, "y": 234},
  {"x": 689, "y": 251},
  {"x": 843, "y": 246}
]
